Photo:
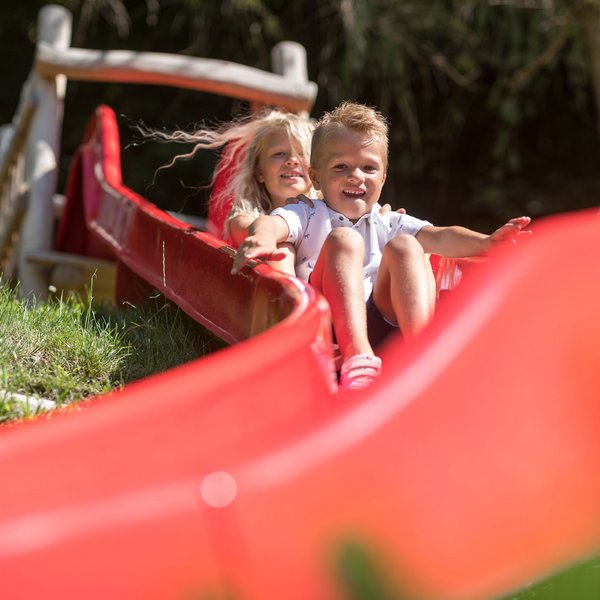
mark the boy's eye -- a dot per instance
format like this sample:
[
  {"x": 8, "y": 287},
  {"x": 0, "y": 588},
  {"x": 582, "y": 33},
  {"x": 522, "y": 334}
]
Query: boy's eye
[
  {"x": 369, "y": 169},
  {"x": 339, "y": 167}
]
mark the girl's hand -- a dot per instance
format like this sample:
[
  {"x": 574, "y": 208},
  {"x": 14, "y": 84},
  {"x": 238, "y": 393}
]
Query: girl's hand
[{"x": 254, "y": 247}]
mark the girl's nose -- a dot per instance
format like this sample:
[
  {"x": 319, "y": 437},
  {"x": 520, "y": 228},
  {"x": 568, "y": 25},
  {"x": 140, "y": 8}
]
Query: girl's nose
[{"x": 292, "y": 159}]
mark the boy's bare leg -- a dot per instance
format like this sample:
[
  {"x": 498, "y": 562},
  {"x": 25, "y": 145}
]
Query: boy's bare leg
[
  {"x": 405, "y": 286},
  {"x": 338, "y": 276}
]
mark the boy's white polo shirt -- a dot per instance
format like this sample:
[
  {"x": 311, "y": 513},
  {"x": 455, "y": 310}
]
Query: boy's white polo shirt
[{"x": 310, "y": 226}]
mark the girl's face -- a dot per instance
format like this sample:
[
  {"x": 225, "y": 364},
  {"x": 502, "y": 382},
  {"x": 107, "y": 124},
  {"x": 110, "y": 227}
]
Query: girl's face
[{"x": 283, "y": 168}]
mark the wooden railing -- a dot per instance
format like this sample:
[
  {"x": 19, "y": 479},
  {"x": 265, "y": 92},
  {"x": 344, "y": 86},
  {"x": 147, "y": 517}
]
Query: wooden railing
[
  {"x": 207, "y": 75},
  {"x": 30, "y": 146}
]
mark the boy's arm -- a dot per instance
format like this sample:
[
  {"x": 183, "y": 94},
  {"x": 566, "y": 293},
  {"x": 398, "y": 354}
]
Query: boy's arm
[
  {"x": 457, "y": 242},
  {"x": 261, "y": 242}
]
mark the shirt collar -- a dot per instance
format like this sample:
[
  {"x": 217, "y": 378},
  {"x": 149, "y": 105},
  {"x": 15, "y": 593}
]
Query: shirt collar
[{"x": 374, "y": 211}]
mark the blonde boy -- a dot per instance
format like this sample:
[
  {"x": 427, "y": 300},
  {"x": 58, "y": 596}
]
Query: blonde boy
[{"x": 352, "y": 253}]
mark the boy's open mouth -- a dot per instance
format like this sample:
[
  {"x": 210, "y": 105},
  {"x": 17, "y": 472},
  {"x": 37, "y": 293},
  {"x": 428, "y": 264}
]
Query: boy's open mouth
[{"x": 354, "y": 193}]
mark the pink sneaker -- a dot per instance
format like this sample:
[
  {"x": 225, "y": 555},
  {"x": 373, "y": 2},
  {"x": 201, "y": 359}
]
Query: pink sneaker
[{"x": 359, "y": 371}]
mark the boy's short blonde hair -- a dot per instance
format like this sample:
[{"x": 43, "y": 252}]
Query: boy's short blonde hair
[{"x": 355, "y": 117}]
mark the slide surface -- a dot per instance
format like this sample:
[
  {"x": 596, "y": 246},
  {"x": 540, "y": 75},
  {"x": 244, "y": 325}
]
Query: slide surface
[{"x": 468, "y": 470}]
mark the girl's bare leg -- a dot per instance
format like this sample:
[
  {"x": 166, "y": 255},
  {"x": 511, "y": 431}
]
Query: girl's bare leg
[
  {"x": 338, "y": 276},
  {"x": 405, "y": 287}
]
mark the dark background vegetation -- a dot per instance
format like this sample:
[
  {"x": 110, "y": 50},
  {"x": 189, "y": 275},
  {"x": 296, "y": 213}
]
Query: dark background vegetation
[{"x": 491, "y": 103}]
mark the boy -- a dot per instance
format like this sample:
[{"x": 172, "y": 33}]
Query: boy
[{"x": 351, "y": 253}]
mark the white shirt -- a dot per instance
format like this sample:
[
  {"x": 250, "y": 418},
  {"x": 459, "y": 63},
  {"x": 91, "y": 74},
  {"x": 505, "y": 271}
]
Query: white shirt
[{"x": 309, "y": 227}]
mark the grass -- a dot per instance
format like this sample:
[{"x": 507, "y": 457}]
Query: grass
[
  {"x": 578, "y": 582},
  {"x": 362, "y": 577},
  {"x": 68, "y": 350}
]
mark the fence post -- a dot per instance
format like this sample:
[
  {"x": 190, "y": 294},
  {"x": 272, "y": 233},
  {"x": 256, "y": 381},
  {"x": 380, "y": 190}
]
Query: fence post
[
  {"x": 6, "y": 133},
  {"x": 42, "y": 155},
  {"x": 289, "y": 59}
]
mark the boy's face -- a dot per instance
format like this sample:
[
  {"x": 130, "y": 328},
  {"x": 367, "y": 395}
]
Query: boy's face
[
  {"x": 282, "y": 168},
  {"x": 350, "y": 173}
]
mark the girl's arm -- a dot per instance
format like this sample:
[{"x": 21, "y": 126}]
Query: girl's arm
[
  {"x": 457, "y": 242},
  {"x": 263, "y": 236},
  {"x": 238, "y": 226}
]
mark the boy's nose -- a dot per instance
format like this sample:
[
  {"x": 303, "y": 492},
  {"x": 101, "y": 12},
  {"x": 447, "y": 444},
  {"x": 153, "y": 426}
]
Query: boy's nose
[{"x": 355, "y": 174}]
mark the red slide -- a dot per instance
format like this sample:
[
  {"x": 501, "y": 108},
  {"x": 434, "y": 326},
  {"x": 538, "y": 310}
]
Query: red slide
[{"x": 468, "y": 470}]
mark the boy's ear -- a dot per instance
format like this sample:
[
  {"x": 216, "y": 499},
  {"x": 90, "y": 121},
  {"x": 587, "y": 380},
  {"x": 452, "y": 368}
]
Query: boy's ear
[{"x": 314, "y": 178}]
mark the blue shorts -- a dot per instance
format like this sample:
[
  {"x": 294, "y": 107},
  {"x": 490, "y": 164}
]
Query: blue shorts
[{"x": 377, "y": 327}]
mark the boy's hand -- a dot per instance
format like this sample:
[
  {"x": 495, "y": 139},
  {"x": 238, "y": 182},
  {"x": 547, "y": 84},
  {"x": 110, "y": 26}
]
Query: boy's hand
[
  {"x": 256, "y": 246},
  {"x": 300, "y": 198},
  {"x": 509, "y": 232},
  {"x": 386, "y": 208}
]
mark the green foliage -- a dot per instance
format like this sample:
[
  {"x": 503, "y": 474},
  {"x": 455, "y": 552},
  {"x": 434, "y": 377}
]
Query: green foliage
[
  {"x": 580, "y": 582},
  {"x": 69, "y": 350},
  {"x": 360, "y": 574},
  {"x": 56, "y": 351},
  {"x": 483, "y": 97},
  {"x": 158, "y": 337}
]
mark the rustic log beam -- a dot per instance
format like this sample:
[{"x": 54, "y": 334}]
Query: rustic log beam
[{"x": 156, "y": 68}]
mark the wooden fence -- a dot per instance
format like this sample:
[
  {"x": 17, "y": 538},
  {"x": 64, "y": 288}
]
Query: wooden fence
[{"x": 30, "y": 145}]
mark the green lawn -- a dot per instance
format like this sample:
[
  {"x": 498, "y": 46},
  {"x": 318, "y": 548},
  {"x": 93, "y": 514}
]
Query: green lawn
[
  {"x": 67, "y": 350},
  {"x": 363, "y": 577},
  {"x": 578, "y": 582}
]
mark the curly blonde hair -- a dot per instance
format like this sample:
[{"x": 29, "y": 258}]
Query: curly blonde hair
[
  {"x": 349, "y": 115},
  {"x": 250, "y": 195},
  {"x": 241, "y": 142}
]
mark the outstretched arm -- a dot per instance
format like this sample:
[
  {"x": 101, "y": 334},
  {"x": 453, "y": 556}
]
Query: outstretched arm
[
  {"x": 263, "y": 236},
  {"x": 456, "y": 242},
  {"x": 511, "y": 231},
  {"x": 238, "y": 226}
]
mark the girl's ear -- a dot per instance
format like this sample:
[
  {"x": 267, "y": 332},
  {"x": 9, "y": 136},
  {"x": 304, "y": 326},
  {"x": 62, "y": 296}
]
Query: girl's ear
[
  {"x": 314, "y": 178},
  {"x": 259, "y": 176}
]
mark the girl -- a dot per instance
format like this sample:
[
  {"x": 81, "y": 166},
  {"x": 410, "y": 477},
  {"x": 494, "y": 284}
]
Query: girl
[{"x": 264, "y": 161}]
